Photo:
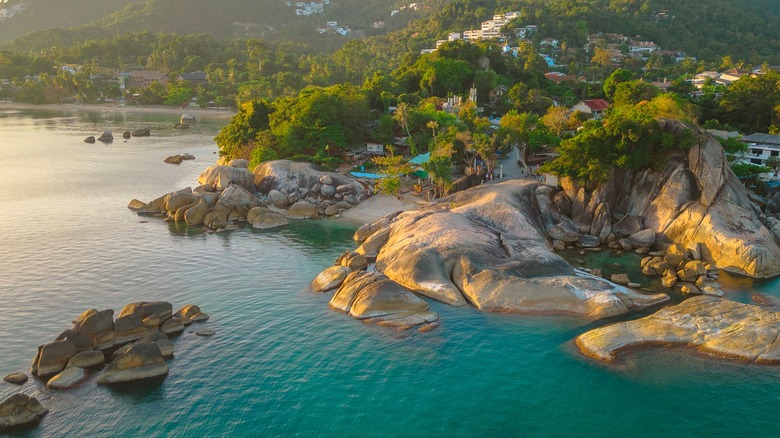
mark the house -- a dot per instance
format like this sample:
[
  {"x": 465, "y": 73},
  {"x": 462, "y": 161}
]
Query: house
[
  {"x": 375, "y": 148},
  {"x": 558, "y": 77},
  {"x": 551, "y": 42},
  {"x": 142, "y": 79},
  {"x": 594, "y": 107},
  {"x": 195, "y": 78},
  {"x": 643, "y": 47},
  {"x": 762, "y": 146}
]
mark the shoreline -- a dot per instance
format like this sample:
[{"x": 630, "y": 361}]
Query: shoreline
[
  {"x": 203, "y": 112},
  {"x": 379, "y": 206}
]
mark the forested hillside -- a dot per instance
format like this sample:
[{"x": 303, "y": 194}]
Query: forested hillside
[{"x": 48, "y": 14}]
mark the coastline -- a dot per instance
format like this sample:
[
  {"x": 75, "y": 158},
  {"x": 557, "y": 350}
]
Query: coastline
[
  {"x": 202, "y": 112},
  {"x": 379, "y": 206}
]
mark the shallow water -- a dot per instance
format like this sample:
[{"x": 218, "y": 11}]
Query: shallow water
[{"x": 281, "y": 362}]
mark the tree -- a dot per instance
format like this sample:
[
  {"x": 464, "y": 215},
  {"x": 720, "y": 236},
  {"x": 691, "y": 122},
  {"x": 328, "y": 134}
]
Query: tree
[
  {"x": 633, "y": 92},
  {"x": 252, "y": 118},
  {"x": 526, "y": 132},
  {"x": 440, "y": 169},
  {"x": 447, "y": 76},
  {"x": 557, "y": 119},
  {"x": 749, "y": 103},
  {"x": 611, "y": 82},
  {"x": 774, "y": 163},
  {"x": 628, "y": 138},
  {"x": 394, "y": 166}
]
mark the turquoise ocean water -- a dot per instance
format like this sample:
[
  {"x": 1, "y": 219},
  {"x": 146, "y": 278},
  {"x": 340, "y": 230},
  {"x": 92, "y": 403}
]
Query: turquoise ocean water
[{"x": 282, "y": 363}]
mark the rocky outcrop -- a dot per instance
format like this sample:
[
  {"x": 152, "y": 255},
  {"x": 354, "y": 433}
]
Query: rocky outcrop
[
  {"x": 143, "y": 360},
  {"x": 290, "y": 176},
  {"x": 143, "y": 132},
  {"x": 20, "y": 409},
  {"x": 694, "y": 200},
  {"x": 83, "y": 346},
  {"x": 710, "y": 325},
  {"x": 375, "y": 298},
  {"x": 486, "y": 247}
]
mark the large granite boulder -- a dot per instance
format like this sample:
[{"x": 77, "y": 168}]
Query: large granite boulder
[
  {"x": 144, "y": 309},
  {"x": 20, "y": 409},
  {"x": 98, "y": 326},
  {"x": 220, "y": 177},
  {"x": 486, "y": 246},
  {"x": 302, "y": 210},
  {"x": 239, "y": 199},
  {"x": 288, "y": 176},
  {"x": 68, "y": 378},
  {"x": 374, "y": 297},
  {"x": 53, "y": 357},
  {"x": 708, "y": 324},
  {"x": 269, "y": 220},
  {"x": 694, "y": 199},
  {"x": 87, "y": 359},
  {"x": 143, "y": 360},
  {"x": 330, "y": 278}
]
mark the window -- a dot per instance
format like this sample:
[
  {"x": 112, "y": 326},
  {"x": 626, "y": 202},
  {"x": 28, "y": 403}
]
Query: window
[
  {"x": 775, "y": 153},
  {"x": 757, "y": 151},
  {"x": 756, "y": 161}
]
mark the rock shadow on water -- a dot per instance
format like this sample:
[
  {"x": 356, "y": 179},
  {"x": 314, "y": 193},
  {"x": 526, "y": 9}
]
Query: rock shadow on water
[{"x": 139, "y": 391}]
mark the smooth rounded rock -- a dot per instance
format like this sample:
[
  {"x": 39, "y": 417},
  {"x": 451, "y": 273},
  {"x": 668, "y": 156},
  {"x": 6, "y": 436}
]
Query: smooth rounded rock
[
  {"x": 143, "y": 360},
  {"x": 16, "y": 378},
  {"x": 87, "y": 359},
  {"x": 330, "y": 278},
  {"x": 68, "y": 378},
  {"x": 20, "y": 409},
  {"x": 172, "y": 326},
  {"x": 269, "y": 220}
]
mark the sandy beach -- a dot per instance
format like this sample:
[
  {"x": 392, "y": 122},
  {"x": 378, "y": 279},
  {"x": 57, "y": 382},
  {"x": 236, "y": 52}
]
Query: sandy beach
[
  {"x": 380, "y": 205},
  {"x": 211, "y": 113}
]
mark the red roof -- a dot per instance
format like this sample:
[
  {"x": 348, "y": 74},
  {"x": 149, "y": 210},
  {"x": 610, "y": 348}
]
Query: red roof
[{"x": 596, "y": 104}]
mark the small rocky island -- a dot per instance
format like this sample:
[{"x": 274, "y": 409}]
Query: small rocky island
[
  {"x": 493, "y": 247},
  {"x": 265, "y": 198},
  {"x": 134, "y": 346}
]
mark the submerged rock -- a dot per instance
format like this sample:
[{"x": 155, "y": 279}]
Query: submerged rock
[
  {"x": 87, "y": 359},
  {"x": 709, "y": 324},
  {"x": 20, "y": 409}
]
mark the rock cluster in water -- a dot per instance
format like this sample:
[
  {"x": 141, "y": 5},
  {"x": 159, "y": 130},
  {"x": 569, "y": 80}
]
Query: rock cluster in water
[
  {"x": 711, "y": 325},
  {"x": 135, "y": 346},
  {"x": 108, "y": 136},
  {"x": 177, "y": 159},
  {"x": 275, "y": 192}
]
